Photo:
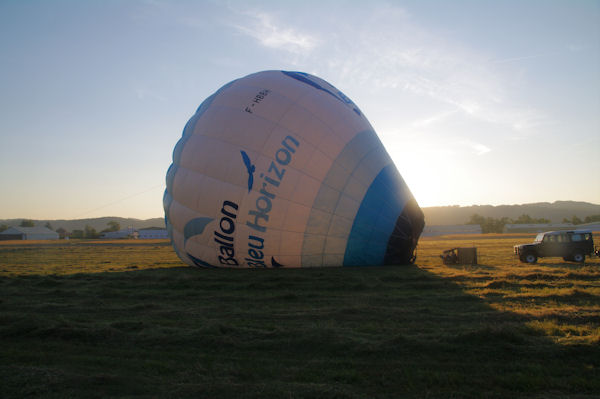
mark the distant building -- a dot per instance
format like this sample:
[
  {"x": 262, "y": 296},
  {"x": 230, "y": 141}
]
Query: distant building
[
  {"x": 130, "y": 232},
  {"x": 28, "y": 233},
  {"x": 123, "y": 233},
  {"x": 152, "y": 233},
  {"x": 595, "y": 227},
  {"x": 538, "y": 227},
  {"x": 430, "y": 231}
]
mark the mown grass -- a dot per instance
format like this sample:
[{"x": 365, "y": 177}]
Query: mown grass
[
  {"x": 84, "y": 256},
  {"x": 560, "y": 299},
  {"x": 497, "y": 329}
]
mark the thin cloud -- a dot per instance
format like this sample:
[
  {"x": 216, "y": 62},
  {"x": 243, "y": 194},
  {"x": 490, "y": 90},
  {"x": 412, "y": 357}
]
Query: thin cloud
[
  {"x": 391, "y": 51},
  {"x": 271, "y": 33},
  {"x": 385, "y": 50},
  {"x": 476, "y": 148},
  {"x": 437, "y": 118},
  {"x": 525, "y": 57}
]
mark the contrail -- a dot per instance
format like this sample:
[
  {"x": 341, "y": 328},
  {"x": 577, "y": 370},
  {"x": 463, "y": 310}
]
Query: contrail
[{"x": 525, "y": 57}]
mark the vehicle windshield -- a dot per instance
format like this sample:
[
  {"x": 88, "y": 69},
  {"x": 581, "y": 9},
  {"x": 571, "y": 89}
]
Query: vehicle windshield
[{"x": 539, "y": 237}]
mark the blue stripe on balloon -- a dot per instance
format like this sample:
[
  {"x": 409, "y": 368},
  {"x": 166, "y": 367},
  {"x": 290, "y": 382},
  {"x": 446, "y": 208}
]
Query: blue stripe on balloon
[
  {"x": 198, "y": 261},
  {"x": 171, "y": 176},
  {"x": 167, "y": 201},
  {"x": 376, "y": 218},
  {"x": 305, "y": 78}
]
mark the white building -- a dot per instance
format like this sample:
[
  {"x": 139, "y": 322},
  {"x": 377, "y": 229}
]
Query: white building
[
  {"x": 594, "y": 226},
  {"x": 430, "y": 231},
  {"x": 28, "y": 233},
  {"x": 123, "y": 233},
  {"x": 152, "y": 233},
  {"x": 537, "y": 227},
  {"x": 130, "y": 232}
]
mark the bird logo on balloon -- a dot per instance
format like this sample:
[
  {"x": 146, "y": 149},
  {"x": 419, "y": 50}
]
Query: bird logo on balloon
[{"x": 251, "y": 168}]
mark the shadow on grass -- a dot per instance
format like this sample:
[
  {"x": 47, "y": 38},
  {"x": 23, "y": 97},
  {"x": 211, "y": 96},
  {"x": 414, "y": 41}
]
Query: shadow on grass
[{"x": 311, "y": 333}]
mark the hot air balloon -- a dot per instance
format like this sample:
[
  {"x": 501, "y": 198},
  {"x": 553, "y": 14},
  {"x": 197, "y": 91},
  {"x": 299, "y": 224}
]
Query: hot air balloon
[{"x": 281, "y": 169}]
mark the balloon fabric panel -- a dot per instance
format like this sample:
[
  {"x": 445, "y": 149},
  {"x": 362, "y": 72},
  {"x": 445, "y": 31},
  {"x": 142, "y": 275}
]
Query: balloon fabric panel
[{"x": 281, "y": 169}]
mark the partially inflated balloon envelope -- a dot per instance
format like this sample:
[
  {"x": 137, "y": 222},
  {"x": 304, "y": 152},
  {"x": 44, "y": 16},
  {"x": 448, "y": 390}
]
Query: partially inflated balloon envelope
[{"x": 281, "y": 169}]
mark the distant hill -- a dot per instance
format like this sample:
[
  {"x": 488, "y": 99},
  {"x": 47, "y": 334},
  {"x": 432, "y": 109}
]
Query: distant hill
[
  {"x": 556, "y": 212},
  {"x": 434, "y": 216},
  {"x": 97, "y": 223}
]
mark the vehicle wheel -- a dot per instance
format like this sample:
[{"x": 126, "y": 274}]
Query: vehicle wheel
[
  {"x": 530, "y": 258},
  {"x": 579, "y": 258}
]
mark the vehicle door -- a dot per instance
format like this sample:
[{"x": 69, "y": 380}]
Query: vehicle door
[
  {"x": 551, "y": 245},
  {"x": 563, "y": 245},
  {"x": 582, "y": 243},
  {"x": 545, "y": 247}
]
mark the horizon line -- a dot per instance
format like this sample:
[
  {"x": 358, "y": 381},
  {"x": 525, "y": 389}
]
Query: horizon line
[{"x": 422, "y": 207}]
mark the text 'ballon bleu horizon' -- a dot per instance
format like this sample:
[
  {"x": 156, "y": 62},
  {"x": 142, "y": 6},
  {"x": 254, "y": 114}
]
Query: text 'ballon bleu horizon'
[{"x": 282, "y": 169}]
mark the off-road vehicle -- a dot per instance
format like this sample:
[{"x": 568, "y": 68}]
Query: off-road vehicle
[{"x": 572, "y": 245}]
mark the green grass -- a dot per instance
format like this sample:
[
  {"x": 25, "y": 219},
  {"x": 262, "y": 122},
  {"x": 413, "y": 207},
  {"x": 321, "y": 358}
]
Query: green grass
[{"x": 498, "y": 329}]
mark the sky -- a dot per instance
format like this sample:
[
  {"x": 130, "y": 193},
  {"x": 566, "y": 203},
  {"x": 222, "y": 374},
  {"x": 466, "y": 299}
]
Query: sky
[{"x": 477, "y": 102}]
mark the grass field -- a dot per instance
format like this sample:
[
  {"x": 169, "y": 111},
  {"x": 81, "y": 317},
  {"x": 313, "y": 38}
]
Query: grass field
[{"x": 126, "y": 319}]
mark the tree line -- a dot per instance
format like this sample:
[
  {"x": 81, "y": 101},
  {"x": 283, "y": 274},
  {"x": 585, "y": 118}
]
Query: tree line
[
  {"x": 587, "y": 219},
  {"x": 87, "y": 232},
  {"x": 494, "y": 225}
]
